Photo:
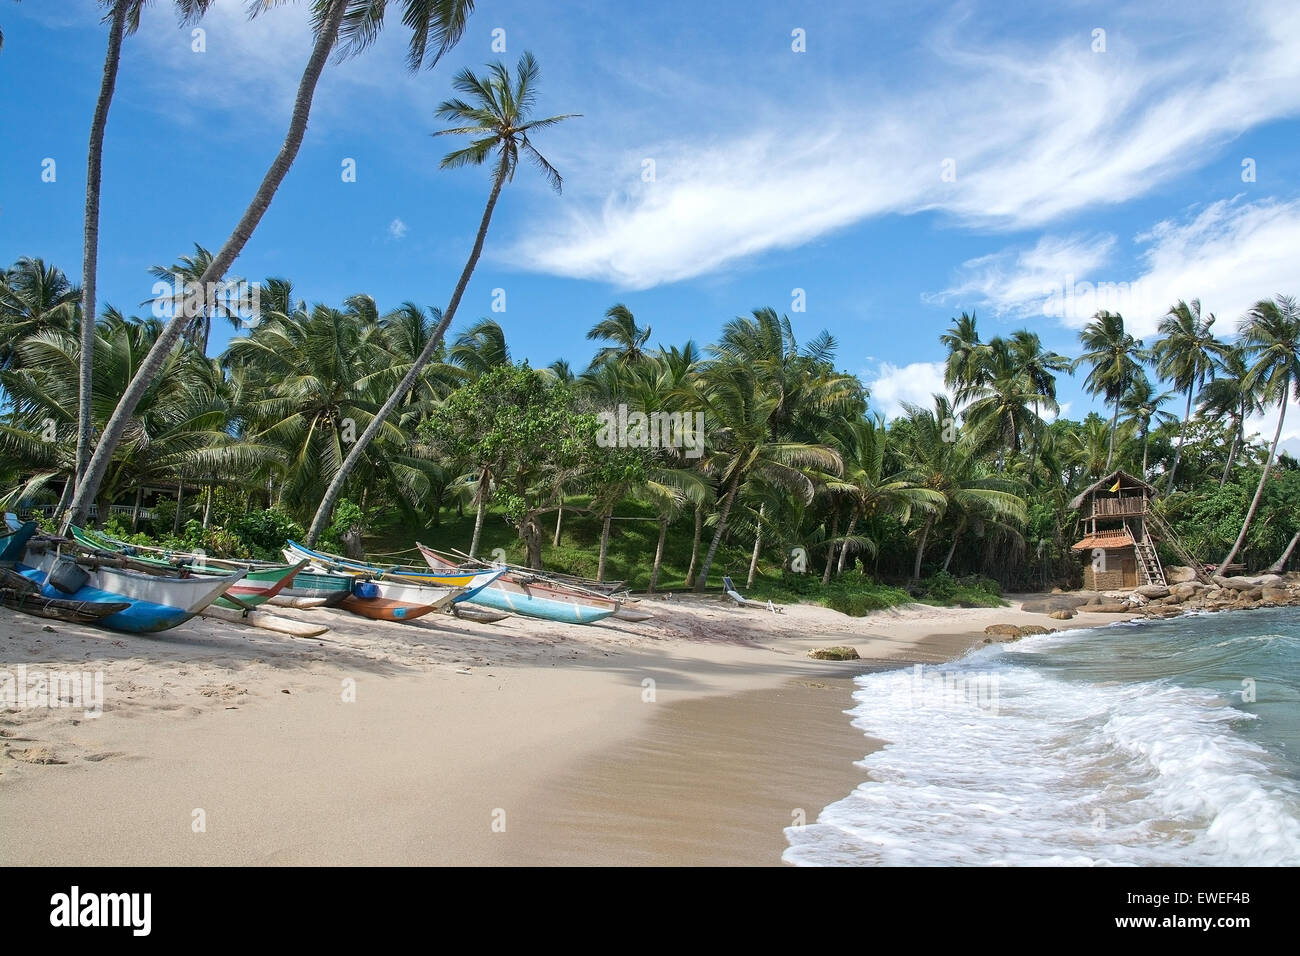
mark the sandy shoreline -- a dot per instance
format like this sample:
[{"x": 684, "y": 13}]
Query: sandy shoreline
[{"x": 692, "y": 738}]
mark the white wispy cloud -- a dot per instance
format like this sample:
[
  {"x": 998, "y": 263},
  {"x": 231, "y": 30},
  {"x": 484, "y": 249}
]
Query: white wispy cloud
[
  {"x": 1035, "y": 133},
  {"x": 915, "y": 384},
  {"x": 397, "y": 229},
  {"x": 1229, "y": 254}
]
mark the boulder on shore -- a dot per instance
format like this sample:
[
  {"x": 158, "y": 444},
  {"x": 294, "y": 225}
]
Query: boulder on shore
[
  {"x": 1153, "y": 591},
  {"x": 1179, "y": 574},
  {"x": 1064, "y": 614}
]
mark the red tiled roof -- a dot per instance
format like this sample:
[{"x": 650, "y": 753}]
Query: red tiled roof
[{"x": 1104, "y": 539}]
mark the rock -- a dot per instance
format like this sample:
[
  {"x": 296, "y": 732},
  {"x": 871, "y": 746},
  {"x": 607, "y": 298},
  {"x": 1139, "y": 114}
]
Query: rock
[
  {"x": 1002, "y": 630},
  {"x": 1171, "y": 599},
  {"x": 1064, "y": 614},
  {"x": 1153, "y": 591},
  {"x": 1188, "y": 589},
  {"x": 1277, "y": 595},
  {"x": 1029, "y": 630},
  {"x": 1115, "y": 607},
  {"x": 1056, "y": 602},
  {"x": 834, "y": 654},
  {"x": 1268, "y": 580},
  {"x": 1179, "y": 574},
  {"x": 1234, "y": 584},
  {"x": 1058, "y": 590}
]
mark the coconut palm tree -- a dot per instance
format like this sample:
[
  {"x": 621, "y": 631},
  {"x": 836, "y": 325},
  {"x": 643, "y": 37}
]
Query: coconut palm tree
[
  {"x": 436, "y": 26},
  {"x": 1186, "y": 355},
  {"x": 1004, "y": 402},
  {"x": 182, "y": 275},
  {"x": 954, "y": 469},
  {"x": 1116, "y": 359},
  {"x": 1141, "y": 405},
  {"x": 741, "y": 412},
  {"x": 1040, "y": 366},
  {"x": 1231, "y": 395},
  {"x": 480, "y": 348},
  {"x": 306, "y": 384},
  {"x": 963, "y": 368},
  {"x": 1270, "y": 336},
  {"x": 498, "y": 118},
  {"x": 874, "y": 493},
  {"x": 34, "y": 298},
  {"x": 627, "y": 339},
  {"x": 124, "y": 19}
]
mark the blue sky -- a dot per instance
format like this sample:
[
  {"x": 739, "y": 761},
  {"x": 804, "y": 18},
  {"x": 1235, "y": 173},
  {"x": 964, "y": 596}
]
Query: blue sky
[{"x": 912, "y": 162}]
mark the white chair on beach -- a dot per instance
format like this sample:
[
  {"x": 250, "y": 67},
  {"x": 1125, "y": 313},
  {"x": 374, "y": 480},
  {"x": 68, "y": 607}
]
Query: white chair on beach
[{"x": 743, "y": 601}]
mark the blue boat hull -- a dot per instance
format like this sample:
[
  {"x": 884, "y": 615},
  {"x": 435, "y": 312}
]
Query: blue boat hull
[
  {"x": 142, "y": 617},
  {"x": 539, "y": 607}
]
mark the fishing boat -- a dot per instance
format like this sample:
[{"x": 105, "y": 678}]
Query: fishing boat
[
  {"x": 154, "y": 602},
  {"x": 534, "y": 596},
  {"x": 393, "y": 601},
  {"x": 19, "y": 593},
  {"x": 471, "y": 581},
  {"x": 263, "y": 581}
]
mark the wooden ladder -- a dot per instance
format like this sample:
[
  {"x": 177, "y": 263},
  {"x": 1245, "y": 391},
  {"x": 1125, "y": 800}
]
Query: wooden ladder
[
  {"x": 1149, "y": 561},
  {"x": 1168, "y": 537}
]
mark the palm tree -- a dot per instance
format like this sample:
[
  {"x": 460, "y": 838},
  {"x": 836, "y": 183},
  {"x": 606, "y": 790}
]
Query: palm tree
[
  {"x": 955, "y": 471},
  {"x": 1270, "y": 336},
  {"x": 498, "y": 118},
  {"x": 1116, "y": 358},
  {"x": 34, "y": 298},
  {"x": 305, "y": 383},
  {"x": 1186, "y": 355},
  {"x": 627, "y": 338},
  {"x": 962, "y": 369},
  {"x": 742, "y": 413},
  {"x": 183, "y": 274},
  {"x": 480, "y": 348},
  {"x": 1004, "y": 402},
  {"x": 1230, "y": 395},
  {"x": 1141, "y": 405},
  {"x": 435, "y": 25},
  {"x": 1040, "y": 366},
  {"x": 873, "y": 492}
]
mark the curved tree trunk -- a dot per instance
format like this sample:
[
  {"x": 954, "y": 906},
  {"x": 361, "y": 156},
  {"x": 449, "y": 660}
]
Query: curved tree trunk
[
  {"x": 408, "y": 380},
  {"x": 830, "y": 552},
  {"x": 90, "y": 248},
  {"x": 88, "y": 487},
  {"x": 695, "y": 546},
  {"x": 844, "y": 548},
  {"x": 1238, "y": 427},
  {"x": 480, "y": 509},
  {"x": 531, "y": 531},
  {"x": 920, "y": 549},
  {"x": 659, "y": 554},
  {"x": 1114, "y": 424},
  {"x": 1178, "y": 452},
  {"x": 956, "y": 536},
  {"x": 604, "y": 545},
  {"x": 559, "y": 522},
  {"x": 1277, "y": 566},
  {"x": 717, "y": 535},
  {"x": 758, "y": 543},
  {"x": 1263, "y": 478}
]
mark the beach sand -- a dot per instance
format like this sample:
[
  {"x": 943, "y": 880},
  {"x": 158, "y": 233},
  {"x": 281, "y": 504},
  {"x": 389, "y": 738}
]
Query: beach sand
[{"x": 692, "y": 738}]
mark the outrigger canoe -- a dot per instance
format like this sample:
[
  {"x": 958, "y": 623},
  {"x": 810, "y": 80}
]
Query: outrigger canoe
[
  {"x": 533, "y": 596},
  {"x": 468, "y": 582},
  {"x": 263, "y": 581},
  {"x": 391, "y": 601},
  {"x": 154, "y": 602}
]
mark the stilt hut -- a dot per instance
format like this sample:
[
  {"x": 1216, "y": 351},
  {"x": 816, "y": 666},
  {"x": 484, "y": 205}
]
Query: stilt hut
[{"x": 1117, "y": 550}]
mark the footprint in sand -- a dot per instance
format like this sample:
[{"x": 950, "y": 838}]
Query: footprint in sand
[
  {"x": 37, "y": 755},
  {"x": 96, "y": 758}
]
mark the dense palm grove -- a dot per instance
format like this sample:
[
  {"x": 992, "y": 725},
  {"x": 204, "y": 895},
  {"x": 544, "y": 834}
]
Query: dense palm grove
[{"x": 797, "y": 483}]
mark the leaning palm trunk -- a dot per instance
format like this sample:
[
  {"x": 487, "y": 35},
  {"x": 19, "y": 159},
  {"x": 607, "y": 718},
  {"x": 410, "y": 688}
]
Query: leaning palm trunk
[
  {"x": 659, "y": 554},
  {"x": 559, "y": 523},
  {"x": 1277, "y": 566},
  {"x": 1178, "y": 452},
  {"x": 1238, "y": 429},
  {"x": 758, "y": 543},
  {"x": 703, "y": 579},
  {"x": 332, "y": 493},
  {"x": 844, "y": 549},
  {"x": 480, "y": 510},
  {"x": 88, "y": 486},
  {"x": 1114, "y": 424},
  {"x": 830, "y": 553},
  {"x": 604, "y": 545},
  {"x": 1263, "y": 479},
  {"x": 695, "y": 546},
  {"x": 90, "y": 249},
  {"x": 920, "y": 550}
]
